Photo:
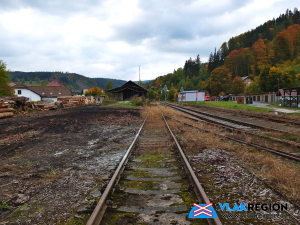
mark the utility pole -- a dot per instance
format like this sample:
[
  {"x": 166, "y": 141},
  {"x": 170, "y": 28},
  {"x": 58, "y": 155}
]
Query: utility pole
[{"x": 139, "y": 76}]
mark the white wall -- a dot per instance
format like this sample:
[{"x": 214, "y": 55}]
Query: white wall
[
  {"x": 49, "y": 99},
  {"x": 30, "y": 95},
  {"x": 191, "y": 96}
]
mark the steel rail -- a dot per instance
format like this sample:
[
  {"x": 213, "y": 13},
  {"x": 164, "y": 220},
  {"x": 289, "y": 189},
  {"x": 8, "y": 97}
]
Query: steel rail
[
  {"x": 229, "y": 120},
  {"x": 225, "y": 126},
  {"x": 98, "y": 212},
  {"x": 198, "y": 188},
  {"x": 275, "y": 119},
  {"x": 277, "y": 152}
]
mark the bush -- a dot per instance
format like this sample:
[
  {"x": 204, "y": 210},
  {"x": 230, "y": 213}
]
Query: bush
[
  {"x": 108, "y": 101},
  {"x": 137, "y": 101}
]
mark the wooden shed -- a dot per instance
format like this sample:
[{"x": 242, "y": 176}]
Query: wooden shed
[{"x": 127, "y": 91}]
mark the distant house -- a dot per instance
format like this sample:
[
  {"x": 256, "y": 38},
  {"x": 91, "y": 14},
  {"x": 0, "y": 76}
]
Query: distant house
[
  {"x": 38, "y": 93},
  {"x": 188, "y": 96},
  {"x": 247, "y": 80},
  {"x": 54, "y": 83}
]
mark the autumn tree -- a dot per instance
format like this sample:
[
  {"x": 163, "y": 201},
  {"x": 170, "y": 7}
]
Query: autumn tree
[
  {"x": 157, "y": 83},
  {"x": 238, "y": 85},
  {"x": 5, "y": 90},
  {"x": 219, "y": 80},
  {"x": 287, "y": 43},
  {"x": 240, "y": 62},
  {"x": 94, "y": 91},
  {"x": 259, "y": 50}
]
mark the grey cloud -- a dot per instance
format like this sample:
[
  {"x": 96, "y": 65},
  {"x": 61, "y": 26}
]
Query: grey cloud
[{"x": 53, "y": 7}]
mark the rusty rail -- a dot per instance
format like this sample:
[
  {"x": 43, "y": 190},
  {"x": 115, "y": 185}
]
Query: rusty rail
[
  {"x": 192, "y": 111},
  {"x": 274, "y": 151},
  {"x": 197, "y": 186},
  {"x": 100, "y": 208},
  {"x": 227, "y": 126}
]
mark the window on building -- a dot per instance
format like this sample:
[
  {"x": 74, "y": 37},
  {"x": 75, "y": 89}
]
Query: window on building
[{"x": 19, "y": 92}]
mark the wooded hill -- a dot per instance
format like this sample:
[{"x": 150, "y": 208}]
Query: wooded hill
[
  {"x": 269, "y": 54},
  {"x": 75, "y": 82}
]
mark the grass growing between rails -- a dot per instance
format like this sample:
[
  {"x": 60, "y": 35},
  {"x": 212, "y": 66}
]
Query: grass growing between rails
[{"x": 230, "y": 105}]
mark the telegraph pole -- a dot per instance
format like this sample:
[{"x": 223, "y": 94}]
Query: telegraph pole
[{"x": 139, "y": 76}]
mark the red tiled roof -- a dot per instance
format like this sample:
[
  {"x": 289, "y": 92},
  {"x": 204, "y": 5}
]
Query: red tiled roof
[{"x": 53, "y": 83}]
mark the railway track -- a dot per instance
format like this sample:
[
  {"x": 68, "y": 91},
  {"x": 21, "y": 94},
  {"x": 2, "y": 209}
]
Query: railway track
[
  {"x": 225, "y": 121},
  {"x": 239, "y": 129},
  {"x": 238, "y": 126},
  {"x": 149, "y": 185},
  {"x": 273, "y": 118}
]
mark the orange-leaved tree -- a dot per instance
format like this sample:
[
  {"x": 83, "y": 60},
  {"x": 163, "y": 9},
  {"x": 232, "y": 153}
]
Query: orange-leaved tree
[{"x": 94, "y": 91}]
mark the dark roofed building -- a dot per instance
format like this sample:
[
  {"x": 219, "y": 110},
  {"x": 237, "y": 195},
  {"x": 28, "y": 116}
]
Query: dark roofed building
[
  {"x": 38, "y": 93},
  {"x": 51, "y": 91},
  {"x": 128, "y": 90}
]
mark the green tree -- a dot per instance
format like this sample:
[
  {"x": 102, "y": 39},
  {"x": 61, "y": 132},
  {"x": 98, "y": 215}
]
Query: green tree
[
  {"x": 219, "y": 80},
  {"x": 264, "y": 79},
  {"x": 5, "y": 90},
  {"x": 253, "y": 88},
  {"x": 107, "y": 87},
  {"x": 151, "y": 94},
  {"x": 171, "y": 94}
]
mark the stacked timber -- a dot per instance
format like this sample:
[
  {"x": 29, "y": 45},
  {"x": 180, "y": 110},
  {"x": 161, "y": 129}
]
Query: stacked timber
[
  {"x": 69, "y": 101},
  {"x": 11, "y": 105},
  {"x": 90, "y": 100},
  {"x": 6, "y": 109},
  {"x": 46, "y": 105}
]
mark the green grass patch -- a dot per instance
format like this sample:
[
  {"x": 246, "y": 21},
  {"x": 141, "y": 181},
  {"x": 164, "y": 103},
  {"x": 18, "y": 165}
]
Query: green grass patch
[
  {"x": 126, "y": 105},
  {"x": 229, "y": 105},
  {"x": 152, "y": 161},
  {"x": 4, "y": 206},
  {"x": 32, "y": 83},
  {"x": 24, "y": 165}
]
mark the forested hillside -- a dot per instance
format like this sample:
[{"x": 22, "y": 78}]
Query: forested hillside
[
  {"x": 75, "y": 82},
  {"x": 269, "y": 54}
]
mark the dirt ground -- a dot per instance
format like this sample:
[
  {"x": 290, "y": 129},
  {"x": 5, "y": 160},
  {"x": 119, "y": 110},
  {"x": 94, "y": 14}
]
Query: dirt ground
[{"x": 52, "y": 163}]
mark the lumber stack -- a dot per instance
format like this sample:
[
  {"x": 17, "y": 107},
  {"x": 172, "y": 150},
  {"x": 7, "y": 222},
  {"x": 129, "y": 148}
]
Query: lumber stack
[
  {"x": 90, "y": 100},
  {"x": 46, "y": 105},
  {"x": 6, "y": 109},
  {"x": 69, "y": 101}
]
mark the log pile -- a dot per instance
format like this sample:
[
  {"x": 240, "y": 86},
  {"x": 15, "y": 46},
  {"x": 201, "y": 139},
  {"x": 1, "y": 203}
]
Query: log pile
[
  {"x": 11, "y": 105},
  {"x": 46, "y": 105},
  {"x": 5, "y": 109},
  {"x": 90, "y": 100},
  {"x": 69, "y": 101}
]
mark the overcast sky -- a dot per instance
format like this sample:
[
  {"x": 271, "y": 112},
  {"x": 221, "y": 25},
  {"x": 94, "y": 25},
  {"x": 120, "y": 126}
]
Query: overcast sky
[{"x": 112, "y": 38}]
